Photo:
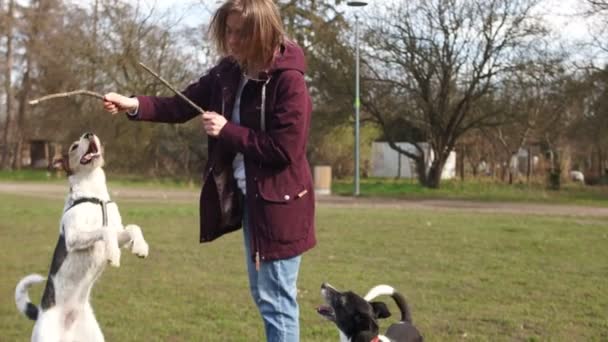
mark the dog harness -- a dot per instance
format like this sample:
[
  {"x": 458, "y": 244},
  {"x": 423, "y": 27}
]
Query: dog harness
[{"x": 103, "y": 204}]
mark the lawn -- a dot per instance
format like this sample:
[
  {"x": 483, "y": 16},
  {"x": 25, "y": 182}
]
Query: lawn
[
  {"x": 481, "y": 189},
  {"x": 467, "y": 276}
]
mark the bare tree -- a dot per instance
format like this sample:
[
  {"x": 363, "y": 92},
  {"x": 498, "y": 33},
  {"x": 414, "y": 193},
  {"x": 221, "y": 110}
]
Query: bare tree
[
  {"x": 41, "y": 19},
  {"x": 8, "y": 88},
  {"x": 598, "y": 5},
  {"x": 597, "y": 14},
  {"x": 588, "y": 132},
  {"x": 63, "y": 46},
  {"x": 321, "y": 29},
  {"x": 533, "y": 106},
  {"x": 430, "y": 62}
]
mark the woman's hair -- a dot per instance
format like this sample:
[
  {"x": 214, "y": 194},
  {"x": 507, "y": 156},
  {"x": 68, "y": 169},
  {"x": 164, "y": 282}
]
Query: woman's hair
[{"x": 262, "y": 30}]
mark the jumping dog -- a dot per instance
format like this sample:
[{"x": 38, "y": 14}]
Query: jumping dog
[{"x": 90, "y": 234}]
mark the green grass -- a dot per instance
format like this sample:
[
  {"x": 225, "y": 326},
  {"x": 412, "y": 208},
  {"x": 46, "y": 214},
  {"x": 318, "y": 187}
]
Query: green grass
[
  {"x": 27, "y": 175},
  {"x": 474, "y": 277},
  {"x": 477, "y": 190},
  {"x": 38, "y": 175}
]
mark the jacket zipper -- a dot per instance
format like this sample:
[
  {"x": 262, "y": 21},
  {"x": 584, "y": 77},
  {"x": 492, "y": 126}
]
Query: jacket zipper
[
  {"x": 223, "y": 109},
  {"x": 256, "y": 241},
  {"x": 257, "y": 261},
  {"x": 258, "y": 253},
  {"x": 263, "y": 129},
  {"x": 253, "y": 236}
]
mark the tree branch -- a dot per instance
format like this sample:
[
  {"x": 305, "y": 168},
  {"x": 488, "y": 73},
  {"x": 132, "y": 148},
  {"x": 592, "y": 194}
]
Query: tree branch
[
  {"x": 66, "y": 94},
  {"x": 172, "y": 88}
]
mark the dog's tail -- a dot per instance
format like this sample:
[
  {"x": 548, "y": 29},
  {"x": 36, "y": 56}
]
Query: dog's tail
[
  {"x": 386, "y": 290},
  {"x": 22, "y": 299}
]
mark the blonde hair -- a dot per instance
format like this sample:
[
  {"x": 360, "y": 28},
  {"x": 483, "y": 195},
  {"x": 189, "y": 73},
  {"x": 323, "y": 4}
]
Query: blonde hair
[{"x": 262, "y": 30}]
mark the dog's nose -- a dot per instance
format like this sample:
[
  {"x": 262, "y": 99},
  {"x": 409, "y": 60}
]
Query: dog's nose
[{"x": 88, "y": 135}]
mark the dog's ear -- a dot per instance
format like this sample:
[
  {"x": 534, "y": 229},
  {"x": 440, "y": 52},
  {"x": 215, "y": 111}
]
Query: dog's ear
[
  {"x": 56, "y": 164},
  {"x": 61, "y": 163},
  {"x": 380, "y": 310}
]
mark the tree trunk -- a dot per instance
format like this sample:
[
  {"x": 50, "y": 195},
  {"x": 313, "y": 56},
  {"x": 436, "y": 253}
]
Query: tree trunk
[
  {"x": 462, "y": 159},
  {"x": 600, "y": 162},
  {"x": 421, "y": 171},
  {"x": 434, "y": 177},
  {"x": 4, "y": 158},
  {"x": 529, "y": 166},
  {"x": 19, "y": 127},
  {"x": 93, "y": 68},
  {"x": 398, "y": 165}
]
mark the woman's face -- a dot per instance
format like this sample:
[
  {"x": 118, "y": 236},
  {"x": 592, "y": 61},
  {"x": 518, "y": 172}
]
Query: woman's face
[{"x": 234, "y": 26}]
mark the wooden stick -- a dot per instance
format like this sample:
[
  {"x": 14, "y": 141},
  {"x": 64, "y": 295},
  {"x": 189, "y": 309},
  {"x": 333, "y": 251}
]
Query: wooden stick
[
  {"x": 66, "y": 94},
  {"x": 173, "y": 89}
]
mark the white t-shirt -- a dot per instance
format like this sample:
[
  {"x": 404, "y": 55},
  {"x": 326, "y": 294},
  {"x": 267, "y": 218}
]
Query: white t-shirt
[{"x": 238, "y": 164}]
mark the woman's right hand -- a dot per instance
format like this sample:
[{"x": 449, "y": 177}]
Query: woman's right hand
[{"x": 116, "y": 103}]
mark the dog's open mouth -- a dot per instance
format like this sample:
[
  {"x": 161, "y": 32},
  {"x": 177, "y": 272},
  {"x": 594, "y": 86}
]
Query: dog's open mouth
[
  {"x": 91, "y": 154},
  {"x": 327, "y": 312}
]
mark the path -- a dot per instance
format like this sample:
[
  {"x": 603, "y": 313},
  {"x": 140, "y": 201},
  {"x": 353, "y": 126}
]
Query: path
[{"x": 187, "y": 195}]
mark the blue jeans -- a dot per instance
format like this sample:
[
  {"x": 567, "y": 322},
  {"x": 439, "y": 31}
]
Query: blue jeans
[{"x": 273, "y": 288}]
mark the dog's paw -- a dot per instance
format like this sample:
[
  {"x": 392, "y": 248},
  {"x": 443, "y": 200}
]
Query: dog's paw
[
  {"x": 139, "y": 246},
  {"x": 114, "y": 259},
  {"x": 112, "y": 249}
]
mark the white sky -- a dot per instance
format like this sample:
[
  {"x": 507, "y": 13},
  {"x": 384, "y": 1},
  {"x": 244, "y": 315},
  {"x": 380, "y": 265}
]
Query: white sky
[
  {"x": 560, "y": 14},
  {"x": 564, "y": 16}
]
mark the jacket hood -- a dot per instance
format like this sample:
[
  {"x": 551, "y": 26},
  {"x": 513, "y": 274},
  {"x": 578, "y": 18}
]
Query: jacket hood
[{"x": 290, "y": 57}]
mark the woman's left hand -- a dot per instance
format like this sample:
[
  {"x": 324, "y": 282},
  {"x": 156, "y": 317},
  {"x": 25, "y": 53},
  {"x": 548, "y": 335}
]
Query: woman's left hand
[{"x": 213, "y": 123}]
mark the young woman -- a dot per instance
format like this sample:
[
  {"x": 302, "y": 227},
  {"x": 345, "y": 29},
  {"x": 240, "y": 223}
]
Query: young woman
[{"x": 257, "y": 116}]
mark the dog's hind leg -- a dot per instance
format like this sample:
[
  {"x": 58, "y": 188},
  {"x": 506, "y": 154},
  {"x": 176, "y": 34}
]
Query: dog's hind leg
[
  {"x": 48, "y": 327},
  {"x": 87, "y": 328}
]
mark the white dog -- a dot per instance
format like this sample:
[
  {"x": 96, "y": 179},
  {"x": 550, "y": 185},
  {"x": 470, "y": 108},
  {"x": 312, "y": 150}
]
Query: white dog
[{"x": 90, "y": 234}]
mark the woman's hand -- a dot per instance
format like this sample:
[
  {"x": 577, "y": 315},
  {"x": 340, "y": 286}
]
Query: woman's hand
[
  {"x": 116, "y": 103},
  {"x": 213, "y": 123}
]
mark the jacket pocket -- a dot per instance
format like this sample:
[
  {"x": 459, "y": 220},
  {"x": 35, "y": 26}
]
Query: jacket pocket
[
  {"x": 286, "y": 212},
  {"x": 278, "y": 195}
]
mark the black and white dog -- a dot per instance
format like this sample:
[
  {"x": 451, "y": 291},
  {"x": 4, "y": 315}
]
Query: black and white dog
[
  {"x": 90, "y": 234},
  {"x": 357, "y": 317}
]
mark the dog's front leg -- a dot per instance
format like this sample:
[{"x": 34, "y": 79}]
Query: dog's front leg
[
  {"x": 110, "y": 237},
  {"x": 133, "y": 236},
  {"x": 78, "y": 240}
]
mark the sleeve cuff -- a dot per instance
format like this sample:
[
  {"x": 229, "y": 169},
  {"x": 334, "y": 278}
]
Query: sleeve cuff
[{"x": 133, "y": 113}]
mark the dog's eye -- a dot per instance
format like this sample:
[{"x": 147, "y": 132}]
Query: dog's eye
[{"x": 75, "y": 146}]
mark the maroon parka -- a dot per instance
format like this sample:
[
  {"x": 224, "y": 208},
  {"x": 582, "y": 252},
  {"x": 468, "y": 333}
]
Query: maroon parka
[{"x": 280, "y": 198}]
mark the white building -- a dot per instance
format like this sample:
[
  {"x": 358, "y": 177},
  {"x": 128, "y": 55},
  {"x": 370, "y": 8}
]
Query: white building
[{"x": 386, "y": 162}]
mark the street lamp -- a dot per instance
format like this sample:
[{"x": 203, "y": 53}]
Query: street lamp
[{"x": 357, "y": 102}]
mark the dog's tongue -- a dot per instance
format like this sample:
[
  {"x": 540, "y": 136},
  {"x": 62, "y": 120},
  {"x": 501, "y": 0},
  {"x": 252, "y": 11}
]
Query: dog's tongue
[
  {"x": 88, "y": 156},
  {"x": 325, "y": 310},
  {"x": 92, "y": 152}
]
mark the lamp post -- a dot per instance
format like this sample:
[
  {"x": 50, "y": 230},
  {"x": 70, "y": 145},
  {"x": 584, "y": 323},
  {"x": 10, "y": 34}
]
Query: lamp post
[{"x": 357, "y": 102}]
